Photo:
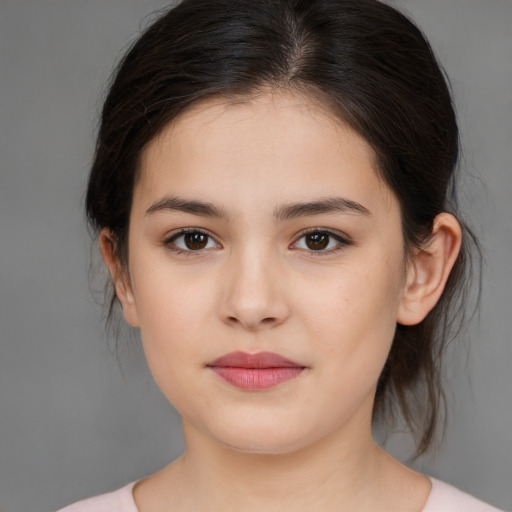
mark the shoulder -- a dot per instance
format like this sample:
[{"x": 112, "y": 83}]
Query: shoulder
[
  {"x": 446, "y": 498},
  {"x": 117, "y": 501}
]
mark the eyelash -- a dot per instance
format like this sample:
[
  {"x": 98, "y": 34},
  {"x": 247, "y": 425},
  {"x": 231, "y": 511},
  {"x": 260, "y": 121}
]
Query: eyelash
[
  {"x": 169, "y": 241},
  {"x": 342, "y": 241}
]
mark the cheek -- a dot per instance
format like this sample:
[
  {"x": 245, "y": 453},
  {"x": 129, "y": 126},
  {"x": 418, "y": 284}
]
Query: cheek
[
  {"x": 352, "y": 317},
  {"x": 175, "y": 315},
  {"x": 174, "y": 336},
  {"x": 168, "y": 299}
]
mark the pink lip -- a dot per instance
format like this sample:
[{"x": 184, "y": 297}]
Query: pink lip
[{"x": 255, "y": 371}]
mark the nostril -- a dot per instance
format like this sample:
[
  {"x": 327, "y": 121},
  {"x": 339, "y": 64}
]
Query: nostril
[{"x": 251, "y": 325}]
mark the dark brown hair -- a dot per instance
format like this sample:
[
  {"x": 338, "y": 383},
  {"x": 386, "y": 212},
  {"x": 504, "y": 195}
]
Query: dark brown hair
[{"x": 363, "y": 60}]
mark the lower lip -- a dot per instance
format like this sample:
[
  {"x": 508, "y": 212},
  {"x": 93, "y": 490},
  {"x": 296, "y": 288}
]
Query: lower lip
[{"x": 256, "y": 378}]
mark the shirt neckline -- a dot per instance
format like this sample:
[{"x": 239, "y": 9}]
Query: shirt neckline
[{"x": 133, "y": 505}]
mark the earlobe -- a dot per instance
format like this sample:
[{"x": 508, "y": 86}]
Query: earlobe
[
  {"x": 429, "y": 270},
  {"x": 119, "y": 276}
]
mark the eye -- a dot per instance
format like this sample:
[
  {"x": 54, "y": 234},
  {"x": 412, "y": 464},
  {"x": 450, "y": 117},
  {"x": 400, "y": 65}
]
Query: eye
[
  {"x": 190, "y": 240},
  {"x": 320, "y": 241}
]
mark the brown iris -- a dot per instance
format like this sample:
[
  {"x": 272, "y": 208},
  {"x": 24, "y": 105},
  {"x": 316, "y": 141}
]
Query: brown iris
[
  {"x": 317, "y": 241},
  {"x": 195, "y": 241}
]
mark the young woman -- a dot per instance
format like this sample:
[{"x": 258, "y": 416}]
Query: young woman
[{"x": 273, "y": 196}]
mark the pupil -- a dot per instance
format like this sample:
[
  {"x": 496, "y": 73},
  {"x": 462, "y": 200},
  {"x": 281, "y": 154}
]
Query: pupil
[
  {"x": 317, "y": 241},
  {"x": 195, "y": 240}
]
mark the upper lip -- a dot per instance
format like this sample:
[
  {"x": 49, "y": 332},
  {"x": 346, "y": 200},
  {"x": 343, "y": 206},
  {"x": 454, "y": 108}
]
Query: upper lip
[{"x": 258, "y": 360}]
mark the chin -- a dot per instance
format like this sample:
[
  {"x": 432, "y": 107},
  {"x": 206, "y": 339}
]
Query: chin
[
  {"x": 262, "y": 439},
  {"x": 263, "y": 448}
]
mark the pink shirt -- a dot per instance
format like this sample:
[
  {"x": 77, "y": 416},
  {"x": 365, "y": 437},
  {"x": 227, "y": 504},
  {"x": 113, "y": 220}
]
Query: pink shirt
[{"x": 443, "y": 498}]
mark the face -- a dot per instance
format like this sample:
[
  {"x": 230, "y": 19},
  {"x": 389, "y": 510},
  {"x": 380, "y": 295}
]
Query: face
[{"x": 263, "y": 227}]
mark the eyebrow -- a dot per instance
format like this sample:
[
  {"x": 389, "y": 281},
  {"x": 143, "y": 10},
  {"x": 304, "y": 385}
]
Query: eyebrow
[
  {"x": 281, "y": 213},
  {"x": 193, "y": 207},
  {"x": 326, "y": 205}
]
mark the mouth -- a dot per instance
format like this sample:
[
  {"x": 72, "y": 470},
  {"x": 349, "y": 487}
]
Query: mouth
[{"x": 255, "y": 372}]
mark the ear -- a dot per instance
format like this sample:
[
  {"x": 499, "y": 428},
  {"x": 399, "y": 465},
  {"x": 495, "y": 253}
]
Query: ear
[
  {"x": 120, "y": 277},
  {"x": 428, "y": 272}
]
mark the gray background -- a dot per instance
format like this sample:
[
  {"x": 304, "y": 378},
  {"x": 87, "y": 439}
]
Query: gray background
[{"x": 72, "y": 421}]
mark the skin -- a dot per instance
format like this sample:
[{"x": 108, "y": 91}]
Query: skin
[{"x": 257, "y": 285}]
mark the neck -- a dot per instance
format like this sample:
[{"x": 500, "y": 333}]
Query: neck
[
  {"x": 343, "y": 471},
  {"x": 328, "y": 474}
]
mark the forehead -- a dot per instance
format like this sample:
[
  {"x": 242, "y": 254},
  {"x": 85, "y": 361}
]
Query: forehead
[
  {"x": 264, "y": 146},
  {"x": 259, "y": 117}
]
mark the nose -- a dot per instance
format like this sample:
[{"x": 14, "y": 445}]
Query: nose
[{"x": 254, "y": 295}]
